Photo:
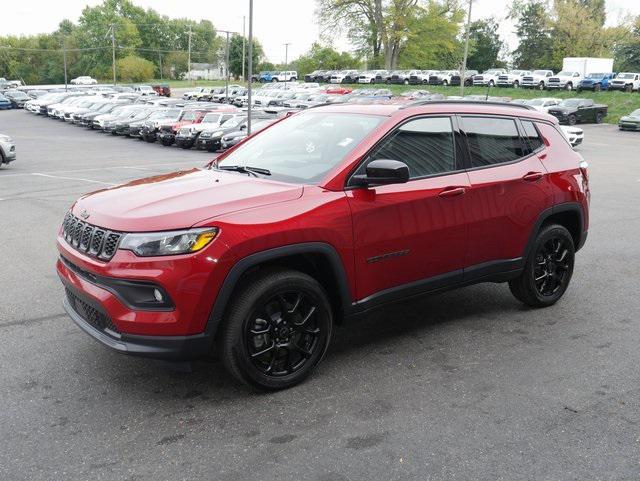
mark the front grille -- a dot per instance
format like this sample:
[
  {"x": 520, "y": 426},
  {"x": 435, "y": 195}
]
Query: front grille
[
  {"x": 87, "y": 238},
  {"x": 92, "y": 315}
]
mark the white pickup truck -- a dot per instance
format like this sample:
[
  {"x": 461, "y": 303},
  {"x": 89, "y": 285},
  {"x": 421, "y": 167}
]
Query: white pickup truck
[
  {"x": 627, "y": 81},
  {"x": 537, "y": 79},
  {"x": 512, "y": 79},
  {"x": 489, "y": 77},
  {"x": 566, "y": 79}
]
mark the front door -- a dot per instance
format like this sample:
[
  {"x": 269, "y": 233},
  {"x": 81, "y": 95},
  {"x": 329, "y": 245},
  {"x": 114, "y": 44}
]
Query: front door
[{"x": 411, "y": 235}]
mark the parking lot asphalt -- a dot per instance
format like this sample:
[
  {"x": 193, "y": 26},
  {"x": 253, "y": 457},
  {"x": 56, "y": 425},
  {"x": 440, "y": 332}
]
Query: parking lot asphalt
[{"x": 465, "y": 385}]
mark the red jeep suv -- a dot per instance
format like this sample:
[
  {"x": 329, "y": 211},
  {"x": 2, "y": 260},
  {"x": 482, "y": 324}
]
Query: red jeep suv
[{"x": 323, "y": 215}]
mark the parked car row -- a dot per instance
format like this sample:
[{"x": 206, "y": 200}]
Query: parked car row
[{"x": 495, "y": 77}]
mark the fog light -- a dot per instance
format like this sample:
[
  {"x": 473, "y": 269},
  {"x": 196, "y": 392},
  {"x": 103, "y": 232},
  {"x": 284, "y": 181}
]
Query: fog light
[{"x": 158, "y": 295}]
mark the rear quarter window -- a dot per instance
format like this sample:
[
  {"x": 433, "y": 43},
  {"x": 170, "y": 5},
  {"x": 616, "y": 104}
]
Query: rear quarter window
[{"x": 492, "y": 140}]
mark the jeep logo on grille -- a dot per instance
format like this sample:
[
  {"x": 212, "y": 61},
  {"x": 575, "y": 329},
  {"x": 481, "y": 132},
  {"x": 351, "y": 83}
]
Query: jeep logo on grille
[{"x": 84, "y": 214}]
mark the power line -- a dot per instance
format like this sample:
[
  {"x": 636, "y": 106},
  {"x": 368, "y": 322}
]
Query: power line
[{"x": 26, "y": 49}]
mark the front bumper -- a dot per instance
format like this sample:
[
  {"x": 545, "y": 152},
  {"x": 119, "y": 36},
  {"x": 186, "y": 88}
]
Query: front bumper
[
  {"x": 211, "y": 143},
  {"x": 173, "y": 348},
  {"x": 183, "y": 141},
  {"x": 625, "y": 125},
  {"x": 166, "y": 137}
]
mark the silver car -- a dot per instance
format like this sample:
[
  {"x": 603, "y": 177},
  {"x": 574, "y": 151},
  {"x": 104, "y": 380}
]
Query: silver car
[{"x": 7, "y": 149}]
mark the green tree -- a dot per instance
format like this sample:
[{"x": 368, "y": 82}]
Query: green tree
[
  {"x": 432, "y": 41},
  {"x": 135, "y": 69},
  {"x": 533, "y": 29},
  {"x": 325, "y": 58},
  {"x": 485, "y": 45},
  {"x": 235, "y": 55},
  {"x": 627, "y": 52}
]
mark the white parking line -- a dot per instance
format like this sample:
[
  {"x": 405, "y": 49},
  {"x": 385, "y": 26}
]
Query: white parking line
[{"x": 73, "y": 178}]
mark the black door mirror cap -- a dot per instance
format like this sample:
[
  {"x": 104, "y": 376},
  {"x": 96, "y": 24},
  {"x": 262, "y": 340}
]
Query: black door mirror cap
[{"x": 383, "y": 172}]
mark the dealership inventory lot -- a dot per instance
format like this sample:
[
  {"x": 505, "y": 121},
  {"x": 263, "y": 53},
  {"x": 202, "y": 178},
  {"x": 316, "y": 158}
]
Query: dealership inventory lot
[{"x": 463, "y": 385}]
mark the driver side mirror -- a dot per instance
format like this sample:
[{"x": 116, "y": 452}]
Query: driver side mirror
[{"x": 383, "y": 172}]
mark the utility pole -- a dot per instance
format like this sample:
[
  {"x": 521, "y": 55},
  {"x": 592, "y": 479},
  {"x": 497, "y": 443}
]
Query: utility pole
[
  {"x": 250, "y": 66},
  {"x": 463, "y": 74},
  {"x": 226, "y": 79},
  {"x": 160, "y": 62},
  {"x": 113, "y": 48},
  {"x": 243, "y": 45},
  {"x": 189, "y": 60},
  {"x": 64, "y": 56},
  {"x": 286, "y": 63}
]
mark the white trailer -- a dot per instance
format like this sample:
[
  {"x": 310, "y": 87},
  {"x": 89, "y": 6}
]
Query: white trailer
[{"x": 587, "y": 65}]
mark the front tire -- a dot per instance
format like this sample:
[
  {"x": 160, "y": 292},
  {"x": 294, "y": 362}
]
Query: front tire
[
  {"x": 541, "y": 86},
  {"x": 569, "y": 87},
  {"x": 599, "y": 118},
  {"x": 277, "y": 330},
  {"x": 548, "y": 268},
  {"x": 572, "y": 120},
  {"x": 445, "y": 83}
]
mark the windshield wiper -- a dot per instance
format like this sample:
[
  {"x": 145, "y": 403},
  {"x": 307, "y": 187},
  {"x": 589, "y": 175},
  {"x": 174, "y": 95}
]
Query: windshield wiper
[{"x": 245, "y": 169}]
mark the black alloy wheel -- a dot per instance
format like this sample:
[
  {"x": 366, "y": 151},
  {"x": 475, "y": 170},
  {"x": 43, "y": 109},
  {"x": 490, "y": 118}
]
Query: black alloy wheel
[
  {"x": 572, "y": 119},
  {"x": 548, "y": 268},
  {"x": 277, "y": 329},
  {"x": 282, "y": 333},
  {"x": 599, "y": 118},
  {"x": 551, "y": 267}
]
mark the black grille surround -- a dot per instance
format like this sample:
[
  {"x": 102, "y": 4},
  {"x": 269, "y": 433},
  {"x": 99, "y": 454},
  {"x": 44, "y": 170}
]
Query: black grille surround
[
  {"x": 89, "y": 239},
  {"x": 93, "y": 315}
]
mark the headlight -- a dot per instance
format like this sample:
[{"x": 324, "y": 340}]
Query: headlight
[{"x": 168, "y": 243}]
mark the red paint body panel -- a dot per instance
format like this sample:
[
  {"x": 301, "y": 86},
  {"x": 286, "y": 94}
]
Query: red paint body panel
[{"x": 385, "y": 237}]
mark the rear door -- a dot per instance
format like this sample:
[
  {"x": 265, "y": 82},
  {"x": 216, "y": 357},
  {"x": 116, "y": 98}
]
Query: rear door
[
  {"x": 509, "y": 189},
  {"x": 409, "y": 234}
]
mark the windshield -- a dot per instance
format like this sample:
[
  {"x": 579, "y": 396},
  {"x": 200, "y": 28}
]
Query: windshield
[
  {"x": 211, "y": 119},
  {"x": 565, "y": 74},
  {"x": 570, "y": 103},
  {"x": 304, "y": 147},
  {"x": 626, "y": 75},
  {"x": 534, "y": 102},
  {"x": 636, "y": 113},
  {"x": 189, "y": 115},
  {"x": 595, "y": 75},
  {"x": 539, "y": 72}
]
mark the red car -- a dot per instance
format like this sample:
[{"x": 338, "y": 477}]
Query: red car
[
  {"x": 167, "y": 132},
  {"x": 323, "y": 215},
  {"x": 338, "y": 90}
]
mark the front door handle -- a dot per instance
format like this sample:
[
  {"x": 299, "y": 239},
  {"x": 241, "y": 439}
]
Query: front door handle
[
  {"x": 533, "y": 176},
  {"x": 452, "y": 192}
]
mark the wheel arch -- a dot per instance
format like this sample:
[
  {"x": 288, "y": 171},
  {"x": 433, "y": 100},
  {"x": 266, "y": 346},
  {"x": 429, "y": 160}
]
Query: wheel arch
[
  {"x": 317, "y": 259},
  {"x": 568, "y": 215}
]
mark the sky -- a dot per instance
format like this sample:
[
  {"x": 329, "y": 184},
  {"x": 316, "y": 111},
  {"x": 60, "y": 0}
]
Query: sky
[{"x": 276, "y": 22}]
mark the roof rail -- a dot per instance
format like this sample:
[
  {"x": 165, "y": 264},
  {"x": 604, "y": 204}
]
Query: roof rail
[{"x": 418, "y": 103}]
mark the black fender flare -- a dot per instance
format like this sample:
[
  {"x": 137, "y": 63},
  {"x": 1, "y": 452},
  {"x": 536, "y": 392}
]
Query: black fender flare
[
  {"x": 239, "y": 268},
  {"x": 545, "y": 214}
]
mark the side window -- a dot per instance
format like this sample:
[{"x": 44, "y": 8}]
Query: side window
[
  {"x": 492, "y": 140},
  {"x": 532, "y": 136},
  {"x": 425, "y": 145}
]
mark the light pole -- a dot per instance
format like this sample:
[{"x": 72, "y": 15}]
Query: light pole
[
  {"x": 250, "y": 66},
  {"x": 466, "y": 51},
  {"x": 189, "y": 59},
  {"x": 286, "y": 64},
  {"x": 64, "y": 54},
  {"x": 244, "y": 38},
  {"x": 113, "y": 46}
]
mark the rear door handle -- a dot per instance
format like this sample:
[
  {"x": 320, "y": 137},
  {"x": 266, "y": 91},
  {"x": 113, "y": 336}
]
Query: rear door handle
[
  {"x": 533, "y": 176},
  {"x": 452, "y": 192}
]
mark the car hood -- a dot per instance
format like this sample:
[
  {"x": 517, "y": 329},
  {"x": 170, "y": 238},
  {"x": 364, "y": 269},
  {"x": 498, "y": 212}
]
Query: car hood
[
  {"x": 179, "y": 200},
  {"x": 630, "y": 118}
]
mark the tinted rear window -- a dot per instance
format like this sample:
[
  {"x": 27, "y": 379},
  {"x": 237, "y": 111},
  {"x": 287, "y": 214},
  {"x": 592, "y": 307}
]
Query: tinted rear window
[{"x": 492, "y": 140}]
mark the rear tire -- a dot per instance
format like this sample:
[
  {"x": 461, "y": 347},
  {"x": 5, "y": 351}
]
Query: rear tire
[
  {"x": 599, "y": 118},
  {"x": 277, "y": 329},
  {"x": 572, "y": 119},
  {"x": 548, "y": 268}
]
